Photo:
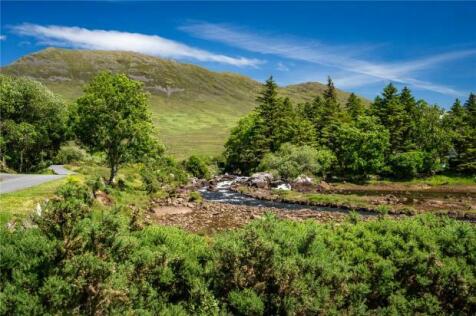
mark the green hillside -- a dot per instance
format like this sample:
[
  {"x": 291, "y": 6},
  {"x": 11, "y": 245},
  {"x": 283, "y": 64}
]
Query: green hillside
[{"x": 193, "y": 107}]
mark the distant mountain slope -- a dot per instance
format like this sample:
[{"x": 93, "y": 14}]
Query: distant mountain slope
[{"x": 193, "y": 107}]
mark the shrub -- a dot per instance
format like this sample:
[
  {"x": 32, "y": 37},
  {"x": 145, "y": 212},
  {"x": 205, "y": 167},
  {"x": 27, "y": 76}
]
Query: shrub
[
  {"x": 195, "y": 197},
  {"x": 70, "y": 154},
  {"x": 407, "y": 165},
  {"x": 197, "y": 167},
  {"x": 162, "y": 173},
  {"x": 246, "y": 302},
  {"x": 74, "y": 262},
  {"x": 291, "y": 161},
  {"x": 383, "y": 209}
]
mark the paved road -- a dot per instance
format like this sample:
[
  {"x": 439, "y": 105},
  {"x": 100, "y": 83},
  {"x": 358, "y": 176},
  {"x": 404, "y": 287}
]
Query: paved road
[
  {"x": 15, "y": 182},
  {"x": 60, "y": 169}
]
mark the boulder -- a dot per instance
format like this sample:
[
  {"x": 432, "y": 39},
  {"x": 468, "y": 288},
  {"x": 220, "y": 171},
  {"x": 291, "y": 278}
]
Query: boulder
[
  {"x": 303, "y": 184},
  {"x": 284, "y": 187},
  {"x": 261, "y": 180}
]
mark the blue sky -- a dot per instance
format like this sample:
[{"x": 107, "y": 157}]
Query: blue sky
[{"x": 429, "y": 46}]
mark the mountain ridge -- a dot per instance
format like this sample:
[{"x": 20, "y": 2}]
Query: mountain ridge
[{"x": 195, "y": 108}]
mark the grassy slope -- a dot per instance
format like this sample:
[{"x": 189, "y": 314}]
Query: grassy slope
[{"x": 194, "y": 120}]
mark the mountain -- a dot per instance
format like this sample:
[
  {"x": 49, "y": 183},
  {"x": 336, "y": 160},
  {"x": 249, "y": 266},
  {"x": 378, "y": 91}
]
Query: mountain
[{"x": 193, "y": 107}]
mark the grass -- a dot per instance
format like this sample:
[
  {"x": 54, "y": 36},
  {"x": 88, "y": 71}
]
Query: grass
[
  {"x": 17, "y": 205},
  {"x": 347, "y": 200},
  {"x": 435, "y": 180},
  {"x": 196, "y": 120}
]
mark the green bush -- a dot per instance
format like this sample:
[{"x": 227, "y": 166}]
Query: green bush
[
  {"x": 195, "y": 197},
  {"x": 197, "y": 167},
  {"x": 162, "y": 173},
  {"x": 246, "y": 302},
  {"x": 69, "y": 154},
  {"x": 408, "y": 164},
  {"x": 290, "y": 161},
  {"x": 72, "y": 262}
]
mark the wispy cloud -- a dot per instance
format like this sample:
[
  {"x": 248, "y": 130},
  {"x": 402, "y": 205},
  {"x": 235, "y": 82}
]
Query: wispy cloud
[
  {"x": 78, "y": 37},
  {"x": 3, "y": 37},
  {"x": 282, "y": 67},
  {"x": 364, "y": 71}
]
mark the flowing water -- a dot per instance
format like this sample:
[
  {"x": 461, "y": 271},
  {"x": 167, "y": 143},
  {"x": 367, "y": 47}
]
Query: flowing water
[{"x": 222, "y": 193}]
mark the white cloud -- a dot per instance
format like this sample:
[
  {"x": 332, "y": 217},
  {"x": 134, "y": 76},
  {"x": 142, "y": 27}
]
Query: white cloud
[
  {"x": 83, "y": 38},
  {"x": 3, "y": 37},
  {"x": 282, "y": 67},
  {"x": 360, "y": 71}
]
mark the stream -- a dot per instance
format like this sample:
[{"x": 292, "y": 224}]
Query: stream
[{"x": 222, "y": 193}]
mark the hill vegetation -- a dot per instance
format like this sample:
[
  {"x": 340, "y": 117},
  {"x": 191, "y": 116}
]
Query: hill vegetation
[
  {"x": 72, "y": 261},
  {"x": 397, "y": 136},
  {"x": 194, "y": 108}
]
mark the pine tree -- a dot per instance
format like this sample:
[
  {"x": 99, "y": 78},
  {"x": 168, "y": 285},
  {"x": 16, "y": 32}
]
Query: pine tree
[
  {"x": 355, "y": 106},
  {"x": 410, "y": 118},
  {"x": 460, "y": 124},
  {"x": 470, "y": 107},
  {"x": 391, "y": 114},
  {"x": 331, "y": 114}
]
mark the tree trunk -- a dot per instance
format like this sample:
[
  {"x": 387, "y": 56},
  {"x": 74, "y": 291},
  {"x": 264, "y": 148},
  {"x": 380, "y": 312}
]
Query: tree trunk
[{"x": 113, "y": 173}]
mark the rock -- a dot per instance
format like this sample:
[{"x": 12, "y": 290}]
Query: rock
[
  {"x": 284, "y": 187},
  {"x": 261, "y": 180},
  {"x": 303, "y": 184},
  {"x": 323, "y": 186}
]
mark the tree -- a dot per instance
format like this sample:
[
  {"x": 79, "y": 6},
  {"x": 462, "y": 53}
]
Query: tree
[
  {"x": 355, "y": 106},
  {"x": 246, "y": 145},
  {"x": 273, "y": 123},
  {"x": 290, "y": 161},
  {"x": 391, "y": 114},
  {"x": 360, "y": 147},
  {"x": 113, "y": 117},
  {"x": 331, "y": 114},
  {"x": 461, "y": 124},
  {"x": 33, "y": 123},
  {"x": 411, "y": 114}
]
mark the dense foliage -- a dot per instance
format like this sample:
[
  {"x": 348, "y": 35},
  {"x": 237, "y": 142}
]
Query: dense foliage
[
  {"x": 162, "y": 173},
  {"x": 290, "y": 161},
  {"x": 395, "y": 136},
  {"x": 72, "y": 261},
  {"x": 461, "y": 125},
  {"x": 113, "y": 117},
  {"x": 198, "y": 167},
  {"x": 33, "y": 124}
]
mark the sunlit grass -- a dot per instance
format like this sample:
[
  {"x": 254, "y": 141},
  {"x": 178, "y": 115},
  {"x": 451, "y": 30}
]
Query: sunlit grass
[{"x": 20, "y": 203}]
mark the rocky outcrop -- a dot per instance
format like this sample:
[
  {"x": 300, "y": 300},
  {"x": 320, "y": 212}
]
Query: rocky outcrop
[
  {"x": 303, "y": 184},
  {"x": 261, "y": 180}
]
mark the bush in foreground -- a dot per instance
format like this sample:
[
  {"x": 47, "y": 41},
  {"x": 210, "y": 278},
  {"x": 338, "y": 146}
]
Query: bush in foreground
[{"x": 72, "y": 262}]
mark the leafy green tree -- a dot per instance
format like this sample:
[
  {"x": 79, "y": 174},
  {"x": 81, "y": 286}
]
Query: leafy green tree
[
  {"x": 197, "y": 167},
  {"x": 33, "y": 123},
  {"x": 290, "y": 161},
  {"x": 113, "y": 117},
  {"x": 407, "y": 165},
  {"x": 360, "y": 147}
]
